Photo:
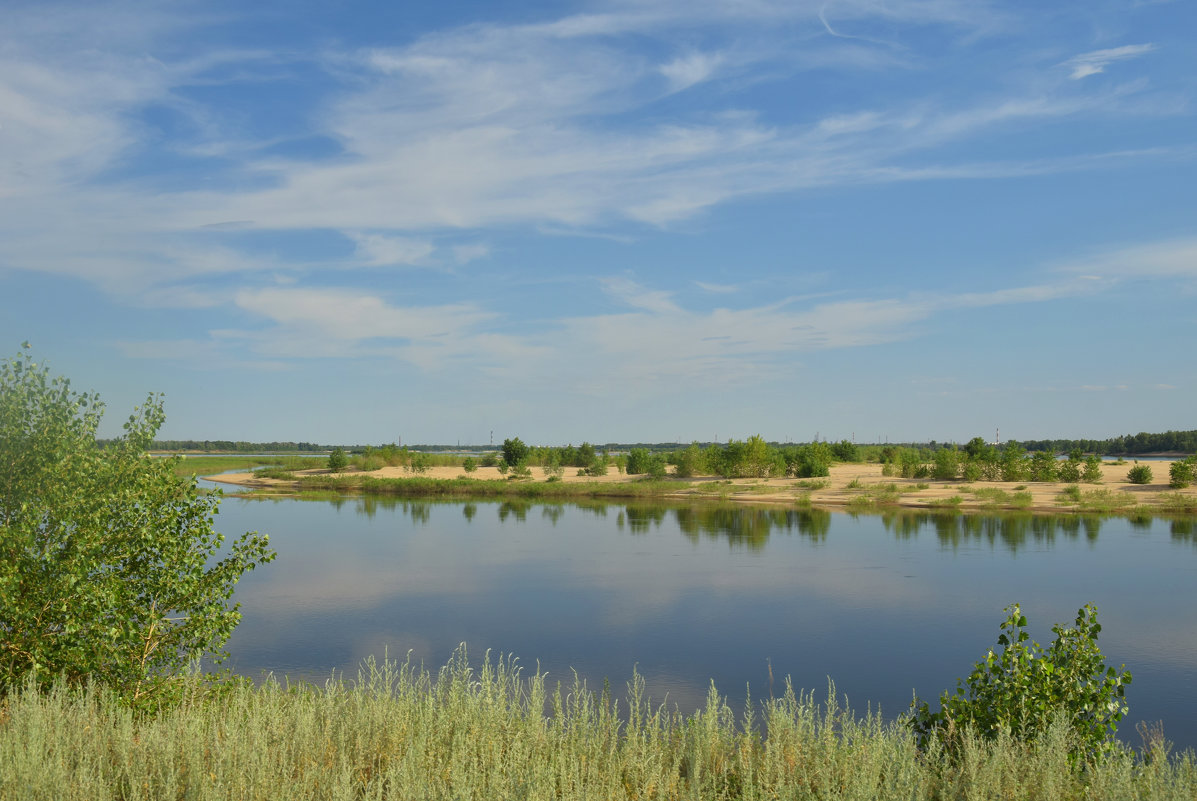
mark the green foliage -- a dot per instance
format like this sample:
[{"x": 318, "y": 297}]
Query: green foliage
[
  {"x": 1043, "y": 466},
  {"x": 689, "y": 462},
  {"x": 596, "y": 468},
  {"x": 1181, "y": 473},
  {"x": 1092, "y": 473},
  {"x": 553, "y": 469},
  {"x": 1070, "y": 494},
  {"x": 975, "y": 448},
  {"x": 419, "y": 463},
  {"x": 1139, "y": 474},
  {"x": 1020, "y": 692},
  {"x": 337, "y": 460},
  {"x": 845, "y": 451},
  {"x": 584, "y": 456},
  {"x": 809, "y": 461},
  {"x": 515, "y": 452},
  {"x": 1014, "y": 465},
  {"x": 108, "y": 567},
  {"x": 656, "y": 466},
  {"x": 469, "y": 465},
  {"x": 946, "y": 465},
  {"x": 489, "y": 460},
  {"x": 1069, "y": 471},
  {"x": 638, "y": 459},
  {"x": 753, "y": 458},
  {"x": 971, "y": 471}
]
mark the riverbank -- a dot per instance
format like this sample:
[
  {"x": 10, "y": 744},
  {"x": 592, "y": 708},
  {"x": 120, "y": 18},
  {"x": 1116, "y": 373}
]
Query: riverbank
[{"x": 851, "y": 486}]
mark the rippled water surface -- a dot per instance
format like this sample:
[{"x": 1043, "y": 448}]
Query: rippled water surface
[{"x": 884, "y": 605}]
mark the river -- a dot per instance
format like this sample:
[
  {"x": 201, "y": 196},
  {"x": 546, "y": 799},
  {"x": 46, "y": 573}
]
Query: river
[{"x": 740, "y": 595}]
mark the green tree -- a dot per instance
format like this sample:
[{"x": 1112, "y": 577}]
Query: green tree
[
  {"x": 585, "y": 455},
  {"x": 337, "y": 460},
  {"x": 515, "y": 452},
  {"x": 975, "y": 448},
  {"x": 108, "y": 564},
  {"x": 469, "y": 465},
  {"x": 1092, "y": 473}
]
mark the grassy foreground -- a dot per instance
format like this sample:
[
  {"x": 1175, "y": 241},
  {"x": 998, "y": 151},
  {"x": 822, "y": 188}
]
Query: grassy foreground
[{"x": 401, "y": 732}]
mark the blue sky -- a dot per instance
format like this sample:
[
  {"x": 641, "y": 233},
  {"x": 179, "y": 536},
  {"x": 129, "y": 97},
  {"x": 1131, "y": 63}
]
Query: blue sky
[{"x": 606, "y": 221}]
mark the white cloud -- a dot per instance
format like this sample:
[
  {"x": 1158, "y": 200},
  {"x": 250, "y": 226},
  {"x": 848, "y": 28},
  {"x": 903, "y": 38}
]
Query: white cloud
[
  {"x": 693, "y": 68},
  {"x": 1095, "y": 62},
  {"x": 378, "y": 250}
]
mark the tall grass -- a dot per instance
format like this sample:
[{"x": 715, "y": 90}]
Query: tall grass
[{"x": 490, "y": 732}]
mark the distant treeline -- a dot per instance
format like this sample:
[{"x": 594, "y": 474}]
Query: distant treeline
[
  {"x": 229, "y": 446},
  {"x": 1169, "y": 441},
  {"x": 1143, "y": 442}
]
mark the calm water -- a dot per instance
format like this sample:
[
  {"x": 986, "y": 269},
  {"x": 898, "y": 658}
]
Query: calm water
[{"x": 883, "y": 605}]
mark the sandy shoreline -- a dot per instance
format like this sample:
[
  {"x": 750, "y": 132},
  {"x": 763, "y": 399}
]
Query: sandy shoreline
[{"x": 855, "y": 486}]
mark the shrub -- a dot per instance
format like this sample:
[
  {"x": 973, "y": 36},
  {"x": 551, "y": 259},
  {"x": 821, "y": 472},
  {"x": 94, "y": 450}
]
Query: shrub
[
  {"x": 419, "y": 463},
  {"x": 553, "y": 469},
  {"x": 110, "y": 569},
  {"x": 337, "y": 460},
  {"x": 469, "y": 465},
  {"x": 489, "y": 460},
  {"x": 656, "y": 466},
  {"x": 596, "y": 468},
  {"x": 689, "y": 462},
  {"x": 1023, "y": 690},
  {"x": 638, "y": 461},
  {"x": 1139, "y": 474},
  {"x": 1181, "y": 473},
  {"x": 1092, "y": 474},
  {"x": 845, "y": 451}
]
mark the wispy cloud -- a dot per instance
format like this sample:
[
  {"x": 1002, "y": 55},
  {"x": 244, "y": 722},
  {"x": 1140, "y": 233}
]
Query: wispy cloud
[
  {"x": 717, "y": 289},
  {"x": 1095, "y": 62},
  {"x": 443, "y": 135},
  {"x": 630, "y": 293}
]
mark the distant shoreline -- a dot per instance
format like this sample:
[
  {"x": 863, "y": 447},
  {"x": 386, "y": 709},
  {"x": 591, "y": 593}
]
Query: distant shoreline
[{"x": 857, "y": 487}]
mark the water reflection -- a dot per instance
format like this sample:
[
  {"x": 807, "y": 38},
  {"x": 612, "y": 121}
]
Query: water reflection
[
  {"x": 1011, "y": 531},
  {"x": 751, "y": 526}
]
